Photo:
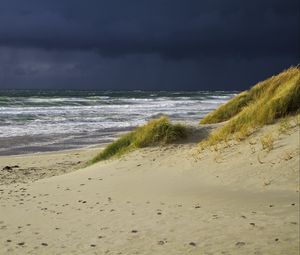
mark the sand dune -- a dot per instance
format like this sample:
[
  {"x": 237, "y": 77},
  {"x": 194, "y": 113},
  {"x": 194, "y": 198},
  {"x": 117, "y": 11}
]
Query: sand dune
[{"x": 168, "y": 200}]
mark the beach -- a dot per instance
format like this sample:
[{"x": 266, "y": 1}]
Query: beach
[{"x": 157, "y": 200}]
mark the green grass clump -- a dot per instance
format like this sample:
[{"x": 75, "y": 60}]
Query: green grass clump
[
  {"x": 274, "y": 98},
  {"x": 155, "y": 132}
]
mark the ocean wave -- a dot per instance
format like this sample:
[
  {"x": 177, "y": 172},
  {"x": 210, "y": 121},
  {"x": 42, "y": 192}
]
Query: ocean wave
[{"x": 85, "y": 114}]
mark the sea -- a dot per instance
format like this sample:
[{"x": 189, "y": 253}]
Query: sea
[{"x": 49, "y": 120}]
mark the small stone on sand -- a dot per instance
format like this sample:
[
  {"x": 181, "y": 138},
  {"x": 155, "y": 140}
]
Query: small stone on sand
[{"x": 240, "y": 244}]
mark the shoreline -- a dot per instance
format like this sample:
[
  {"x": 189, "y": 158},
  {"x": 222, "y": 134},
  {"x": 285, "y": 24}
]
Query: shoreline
[
  {"x": 84, "y": 148},
  {"x": 34, "y": 166}
]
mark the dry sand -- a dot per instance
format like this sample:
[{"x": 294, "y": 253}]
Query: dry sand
[{"x": 241, "y": 200}]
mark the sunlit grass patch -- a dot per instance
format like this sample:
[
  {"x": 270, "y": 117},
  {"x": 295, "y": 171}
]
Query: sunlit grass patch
[
  {"x": 267, "y": 142},
  {"x": 274, "y": 98},
  {"x": 156, "y": 132}
]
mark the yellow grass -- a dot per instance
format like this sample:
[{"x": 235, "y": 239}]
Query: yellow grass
[
  {"x": 157, "y": 131},
  {"x": 274, "y": 98},
  {"x": 267, "y": 142}
]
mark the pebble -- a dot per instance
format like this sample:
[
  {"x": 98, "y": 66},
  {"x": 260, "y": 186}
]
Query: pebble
[{"x": 239, "y": 244}]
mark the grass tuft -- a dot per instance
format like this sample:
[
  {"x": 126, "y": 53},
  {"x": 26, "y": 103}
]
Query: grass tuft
[
  {"x": 267, "y": 142},
  {"x": 155, "y": 132},
  {"x": 274, "y": 98},
  {"x": 284, "y": 126}
]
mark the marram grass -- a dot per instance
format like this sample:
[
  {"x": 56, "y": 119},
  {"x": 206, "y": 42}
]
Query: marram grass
[
  {"x": 274, "y": 98},
  {"x": 158, "y": 131}
]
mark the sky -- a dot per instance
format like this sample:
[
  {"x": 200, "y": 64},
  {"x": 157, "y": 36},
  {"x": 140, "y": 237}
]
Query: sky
[{"x": 146, "y": 44}]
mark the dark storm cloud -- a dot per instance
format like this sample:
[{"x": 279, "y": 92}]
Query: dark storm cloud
[
  {"x": 169, "y": 28},
  {"x": 143, "y": 44}
]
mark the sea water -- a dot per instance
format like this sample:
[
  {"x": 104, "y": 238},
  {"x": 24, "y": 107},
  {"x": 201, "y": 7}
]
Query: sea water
[{"x": 46, "y": 120}]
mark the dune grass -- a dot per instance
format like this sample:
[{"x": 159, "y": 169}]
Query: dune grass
[
  {"x": 274, "y": 98},
  {"x": 156, "y": 132},
  {"x": 267, "y": 142}
]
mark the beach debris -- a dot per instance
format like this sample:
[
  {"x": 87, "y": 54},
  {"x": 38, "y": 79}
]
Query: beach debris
[
  {"x": 93, "y": 245},
  {"x": 276, "y": 239},
  {"x": 252, "y": 224},
  {"x": 7, "y": 168},
  {"x": 21, "y": 243},
  {"x": 197, "y": 206},
  {"x": 134, "y": 231},
  {"x": 240, "y": 244},
  {"x": 44, "y": 244},
  {"x": 161, "y": 242},
  {"x": 192, "y": 244}
]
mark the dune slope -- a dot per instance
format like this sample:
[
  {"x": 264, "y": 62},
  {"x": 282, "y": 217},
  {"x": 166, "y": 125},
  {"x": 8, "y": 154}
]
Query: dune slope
[{"x": 162, "y": 200}]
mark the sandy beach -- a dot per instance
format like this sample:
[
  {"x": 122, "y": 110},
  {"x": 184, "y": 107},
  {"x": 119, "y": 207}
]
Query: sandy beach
[{"x": 159, "y": 200}]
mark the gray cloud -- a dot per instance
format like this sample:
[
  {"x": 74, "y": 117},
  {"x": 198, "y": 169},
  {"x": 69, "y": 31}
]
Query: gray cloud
[{"x": 166, "y": 44}]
